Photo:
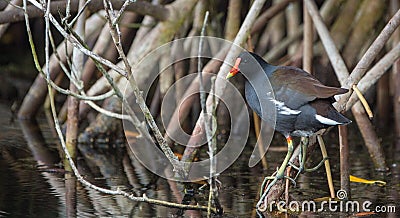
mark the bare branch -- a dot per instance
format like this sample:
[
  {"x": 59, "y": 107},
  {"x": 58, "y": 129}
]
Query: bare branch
[
  {"x": 159, "y": 12},
  {"x": 372, "y": 76},
  {"x": 336, "y": 59},
  {"x": 370, "y": 54},
  {"x": 268, "y": 14}
]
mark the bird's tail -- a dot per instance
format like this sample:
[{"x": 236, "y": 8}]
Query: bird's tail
[{"x": 338, "y": 117}]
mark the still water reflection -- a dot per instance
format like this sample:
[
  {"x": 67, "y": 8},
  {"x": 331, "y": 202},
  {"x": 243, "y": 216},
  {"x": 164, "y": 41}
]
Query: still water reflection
[{"x": 32, "y": 182}]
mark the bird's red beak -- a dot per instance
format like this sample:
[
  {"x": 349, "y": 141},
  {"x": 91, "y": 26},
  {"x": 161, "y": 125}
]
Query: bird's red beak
[{"x": 235, "y": 69}]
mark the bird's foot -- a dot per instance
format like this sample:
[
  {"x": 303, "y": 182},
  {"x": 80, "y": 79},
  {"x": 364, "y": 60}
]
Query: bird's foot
[{"x": 301, "y": 169}]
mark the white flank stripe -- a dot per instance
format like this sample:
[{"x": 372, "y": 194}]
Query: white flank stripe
[
  {"x": 326, "y": 121},
  {"x": 282, "y": 109}
]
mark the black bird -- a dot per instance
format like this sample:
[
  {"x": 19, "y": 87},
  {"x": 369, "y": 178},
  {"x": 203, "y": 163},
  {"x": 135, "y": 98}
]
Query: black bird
[{"x": 303, "y": 104}]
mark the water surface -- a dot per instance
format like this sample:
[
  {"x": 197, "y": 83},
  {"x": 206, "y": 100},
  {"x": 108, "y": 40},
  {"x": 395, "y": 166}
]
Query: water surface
[{"x": 32, "y": 182}]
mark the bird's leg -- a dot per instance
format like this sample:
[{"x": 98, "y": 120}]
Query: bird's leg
[
  {"x": 302, "y": 155},
  {"x": 280, "y": 174},
  {"x": 282, "y": 168}
]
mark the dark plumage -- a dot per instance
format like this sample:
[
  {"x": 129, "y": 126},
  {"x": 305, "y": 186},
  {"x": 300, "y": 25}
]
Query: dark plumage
[{"x": 303, "y": 104}]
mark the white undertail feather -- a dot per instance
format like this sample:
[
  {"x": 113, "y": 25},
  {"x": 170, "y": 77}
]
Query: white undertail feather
[{"x": 326, "y": 121}]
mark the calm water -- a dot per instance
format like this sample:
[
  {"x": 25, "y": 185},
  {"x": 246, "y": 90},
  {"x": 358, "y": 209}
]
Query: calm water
[{"x": 32, "y": 182}]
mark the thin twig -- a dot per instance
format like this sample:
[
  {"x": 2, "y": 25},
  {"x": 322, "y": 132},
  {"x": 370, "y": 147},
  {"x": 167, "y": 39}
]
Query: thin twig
[
  {"x": 206, "y": 122},
  {"x": 78, "y": 45},
  {"x": 138, "y": 94},
  {"x": 199, "y": 68},
  {"x": 68, "y": 9},
  {"x": 287, "y": 184},
  {"x": 117, "y": 91},
  {"x": 79, "y": 85},
  {"x": 122, "y": 10},
  {"x": 327, "y": 165},
  {"x": 212, "y": 147},
  {"x": 81, "y": 10},
  {"x": 38, "y": 91},
  {"x": 363, "y": 101}
]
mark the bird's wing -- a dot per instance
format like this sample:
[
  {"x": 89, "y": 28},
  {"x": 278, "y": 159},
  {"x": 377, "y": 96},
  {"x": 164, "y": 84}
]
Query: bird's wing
[{"x": 296, "y": 87}]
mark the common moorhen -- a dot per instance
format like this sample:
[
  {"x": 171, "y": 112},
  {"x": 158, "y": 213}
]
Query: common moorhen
[{"x": 302, "y": 103}]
